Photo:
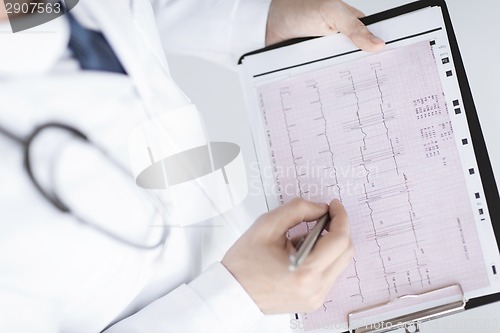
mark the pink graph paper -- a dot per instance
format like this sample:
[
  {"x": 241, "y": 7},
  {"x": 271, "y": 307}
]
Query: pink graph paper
[{"x": 376, "y": 133}]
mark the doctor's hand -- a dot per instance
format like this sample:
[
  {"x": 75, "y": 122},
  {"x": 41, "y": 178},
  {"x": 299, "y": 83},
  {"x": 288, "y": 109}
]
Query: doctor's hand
[
  {"x": 259, "y": 259},
  {"x": 298, "y": 18}
]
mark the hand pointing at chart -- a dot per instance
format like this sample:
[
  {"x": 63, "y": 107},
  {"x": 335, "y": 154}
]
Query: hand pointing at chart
[
  {"x": 295, "y": 18},
  {"x": 259, "y": 259}
]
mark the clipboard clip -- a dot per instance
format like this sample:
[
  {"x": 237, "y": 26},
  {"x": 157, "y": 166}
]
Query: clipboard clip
[{"x": 427, "y": 306}]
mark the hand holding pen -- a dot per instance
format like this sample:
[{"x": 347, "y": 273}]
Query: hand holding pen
[
  {"x": 306, "y": 243},
  {"x": 260, "y": 260}
]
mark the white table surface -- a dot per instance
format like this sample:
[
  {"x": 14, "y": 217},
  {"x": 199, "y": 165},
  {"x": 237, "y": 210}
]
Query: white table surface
[{"x": 216, "y": 91}]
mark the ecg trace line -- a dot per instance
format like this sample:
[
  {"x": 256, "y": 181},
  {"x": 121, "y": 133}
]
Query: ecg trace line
[
  {"x": 378, "y": 83},
  {"x": 294, "y": 159},
  {"x": 358, "y": 280},
  {"x": 374, "y": 68},
  {"x": 418, "y": 268},
  {"x": 283, "y": 92},
  {"x": 349, "y": 77},
  {"x": 376, "y": 241},
  {"x": 314, "y": 85},
  {"x": 411, "y": 210},
  {"x": 364, "y": 165},
  {"x": 383, "y": 121}
]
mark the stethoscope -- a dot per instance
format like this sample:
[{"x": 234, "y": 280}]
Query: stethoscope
[
  {"x": 144, "y": 88},
  {"x": 52, "y": 197}
]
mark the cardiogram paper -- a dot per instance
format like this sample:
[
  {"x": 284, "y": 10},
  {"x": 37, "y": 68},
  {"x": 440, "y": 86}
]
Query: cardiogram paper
[{"x": 376, "y": 133}]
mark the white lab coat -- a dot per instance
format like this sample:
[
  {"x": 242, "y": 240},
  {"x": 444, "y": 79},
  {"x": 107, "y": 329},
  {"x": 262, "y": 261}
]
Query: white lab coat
[{"x": 59, "y": 276}]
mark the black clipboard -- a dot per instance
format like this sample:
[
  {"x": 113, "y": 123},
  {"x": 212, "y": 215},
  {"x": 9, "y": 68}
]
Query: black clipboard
[{"x": 479, "y": 146}]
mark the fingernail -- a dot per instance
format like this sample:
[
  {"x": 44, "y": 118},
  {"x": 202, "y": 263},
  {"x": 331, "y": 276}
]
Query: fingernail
[{"x": 374, "y": 39}]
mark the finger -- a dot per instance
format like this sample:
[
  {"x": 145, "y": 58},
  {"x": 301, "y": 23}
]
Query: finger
[
  {"x": 362, "y": 37},
  {"x": 329, "y": 275},
  {"x": 345, "y": 20},
  {"x": 292, "y": 213},
  {"x": 334, "y": 243},
  {"x": 338, "y": 216},
  {"x": 356, "y": 31}
]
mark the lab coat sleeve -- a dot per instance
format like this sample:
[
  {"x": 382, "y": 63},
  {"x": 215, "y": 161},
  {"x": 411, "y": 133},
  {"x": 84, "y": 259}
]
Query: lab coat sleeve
[
  {"x": 220, "y": 30},
  {"x": 213, "y": 302}
]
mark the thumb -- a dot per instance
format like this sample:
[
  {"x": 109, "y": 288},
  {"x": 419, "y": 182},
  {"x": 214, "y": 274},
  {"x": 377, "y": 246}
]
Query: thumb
[
  {"x": 292, "y": 213},
  {"x": 360, "y": 35},
  {"x": 345, "y": 19}
]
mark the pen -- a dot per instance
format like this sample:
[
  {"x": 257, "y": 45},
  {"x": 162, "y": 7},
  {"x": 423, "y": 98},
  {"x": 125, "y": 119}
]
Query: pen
[{"x": 306, "y": 243}]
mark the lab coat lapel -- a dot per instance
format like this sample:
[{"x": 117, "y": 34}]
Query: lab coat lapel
[{"x": 130, "y": 28}]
